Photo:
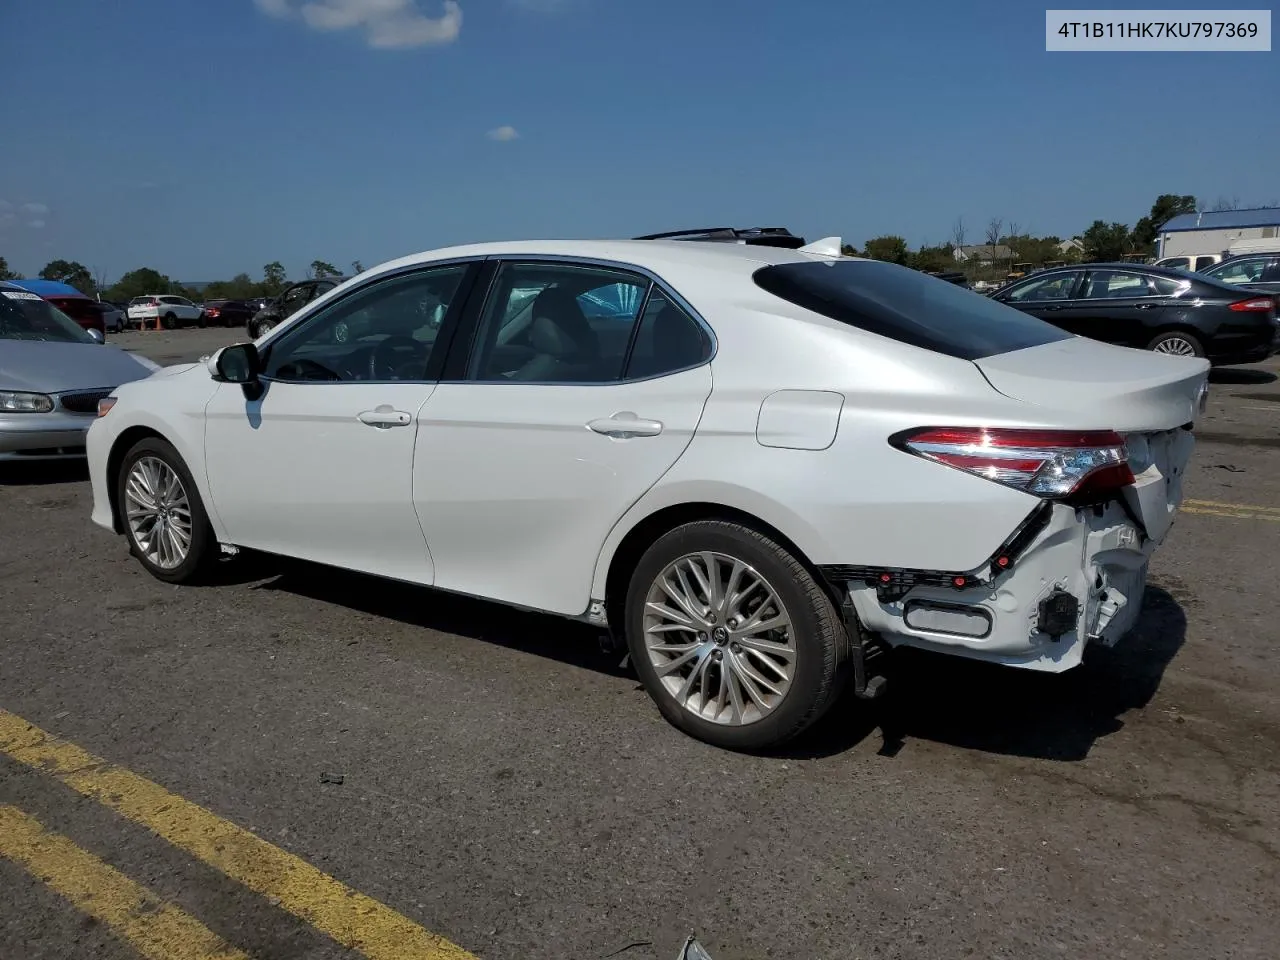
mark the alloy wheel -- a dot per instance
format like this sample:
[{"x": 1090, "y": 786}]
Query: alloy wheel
[
  {"x": 719, "y": 638},
  {"x": 158, "y": 512},
  {"x": 1177, "y": 346}
]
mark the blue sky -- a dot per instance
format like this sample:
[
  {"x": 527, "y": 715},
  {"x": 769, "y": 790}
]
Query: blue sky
[{"x": 205, "y": 138}]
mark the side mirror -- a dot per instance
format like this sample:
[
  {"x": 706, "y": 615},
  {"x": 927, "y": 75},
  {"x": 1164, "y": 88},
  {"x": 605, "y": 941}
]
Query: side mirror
[
  {"x": 238, "y": 363},
  {"x": 97, "y": 336}
]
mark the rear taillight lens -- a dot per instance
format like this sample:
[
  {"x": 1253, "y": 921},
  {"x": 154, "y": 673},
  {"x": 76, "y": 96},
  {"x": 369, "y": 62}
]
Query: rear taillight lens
[
  {"x": 1256, "y": 305},
  {"x": 1052, "y": 464},
  {"x": 211, "y": 311}
]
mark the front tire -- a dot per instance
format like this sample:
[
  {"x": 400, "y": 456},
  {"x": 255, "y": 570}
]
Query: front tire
[
  {"x": 163, "y": 516},
  {"x": 170, "y": 321},
  {"x": 733, "y": 638}
]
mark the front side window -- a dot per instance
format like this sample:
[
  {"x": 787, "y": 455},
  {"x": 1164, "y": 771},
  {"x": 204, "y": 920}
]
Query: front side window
[
  {"x": 908, "y": 306},
  {"x": 1116, "y": 285},
  {"x": 1203, "y": 263},
  {"x": 557, "y": 323},
  {"x": 1238, "y": 271},
  {"x": 296, "y": 298},
  {"x": 25, "y": 316},
  {"x": 1177, "y": 263},
  {"x": 1058, "y": 287},
  {"x": 385, "y": 331}
]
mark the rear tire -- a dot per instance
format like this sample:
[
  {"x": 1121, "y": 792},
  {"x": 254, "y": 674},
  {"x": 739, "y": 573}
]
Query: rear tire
[
  {"x": 163, "y": 517},
  {"x": 1177, "y": 343},
  {"x": 753, "y": 689}
]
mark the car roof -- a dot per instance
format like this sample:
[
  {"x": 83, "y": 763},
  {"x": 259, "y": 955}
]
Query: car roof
[
  {"x": 48, "y": 288},
  {"x": 650, "y": 254}
]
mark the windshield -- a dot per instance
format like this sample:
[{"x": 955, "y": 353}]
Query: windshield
[
  {"x": 24, "y": 316},
  {"x": 907, "y": 306}
]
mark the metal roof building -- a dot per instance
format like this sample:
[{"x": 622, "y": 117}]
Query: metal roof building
[{"x": 1213, "y": 231}]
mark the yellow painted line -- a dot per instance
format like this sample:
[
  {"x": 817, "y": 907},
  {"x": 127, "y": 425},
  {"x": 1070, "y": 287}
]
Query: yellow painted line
[
  {"x": 153, "y": 927},
  {"x": 1249, "y": 507},
  {"x": 1233, "y": 514},
  {"x": 349, "y": 917}
]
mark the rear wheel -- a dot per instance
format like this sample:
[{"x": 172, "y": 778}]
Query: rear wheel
[
  {"x": 202, "y": 321},
  {"x": 733, "y": 638},
  {"x": 163, "y": 516},
  {"x": 1177, "y": 343}
]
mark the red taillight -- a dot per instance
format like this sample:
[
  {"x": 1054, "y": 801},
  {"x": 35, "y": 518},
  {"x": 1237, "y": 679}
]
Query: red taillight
[
  {"x": 1045, "y": 463},
  {"x": 1256, "y": 305},
  {"x": 211, "y": 311}
]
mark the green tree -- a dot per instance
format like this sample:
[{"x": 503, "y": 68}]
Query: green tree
[
  {"x": 1106, "y": 241},
  {"x": 139, "y": 283},
  {"x": 889, "y": 248},
  {"x": 849, "y": 250},
  {"x": 70, "y": 272},
  {"x": 6, "y": 273},
  {"x": 274, "y": 279},
  {"x": 319, "y": 268},
  {"x": 1166, "y": 207},
  {"x": 934, "y": 259},
  {"x": 357, "y": 267}
]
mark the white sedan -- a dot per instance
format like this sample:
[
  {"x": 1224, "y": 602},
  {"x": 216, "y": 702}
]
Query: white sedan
[{"x": 757, "y": 466}]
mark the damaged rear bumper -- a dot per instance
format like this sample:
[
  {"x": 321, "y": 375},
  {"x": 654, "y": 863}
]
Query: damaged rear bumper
[{"x": 1067, "y": 578}]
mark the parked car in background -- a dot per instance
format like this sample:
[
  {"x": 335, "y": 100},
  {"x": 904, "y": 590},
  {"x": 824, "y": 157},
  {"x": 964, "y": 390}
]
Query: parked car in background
[
  {"x": 172, "y": 311},
  {"x": 1192, "y": 263},
  {"x": 1153, "y": 308},
  {"x": 755, "y": 465},
  {"x": 1251, "y": 272},
  {"x": 53, "y": 372},
  {"x": 112, "y": 316},
  {"x": 292, "y": 299},
  {"x": 228, "y": 313},
  {"x": 82, "y": 309}
]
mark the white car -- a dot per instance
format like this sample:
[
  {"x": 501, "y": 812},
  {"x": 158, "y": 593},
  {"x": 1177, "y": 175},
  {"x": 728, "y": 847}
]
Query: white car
[
  {"x": 757, "y": 465},
  {"x": 172, "y": 312}
]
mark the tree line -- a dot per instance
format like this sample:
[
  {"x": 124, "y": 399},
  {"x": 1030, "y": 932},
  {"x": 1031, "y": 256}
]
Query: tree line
[
  {"x": 1009, "y": 243},
  {"x": 145, "y": 281}
]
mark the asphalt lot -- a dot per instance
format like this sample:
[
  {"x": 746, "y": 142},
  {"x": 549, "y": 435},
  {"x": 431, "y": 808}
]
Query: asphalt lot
[{"x": 506, "y": 786}]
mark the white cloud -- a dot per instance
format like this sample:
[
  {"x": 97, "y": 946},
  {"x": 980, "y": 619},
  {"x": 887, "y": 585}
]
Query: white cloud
[
  {"x": 37, "y": 208},
  {"x": 387, "y": 24},
  {"x": 5, "y": 205},
  {"x": 36, "y": 224},
  {"x": 8, "y": 216},
  {"x": 503, "y": 134}
]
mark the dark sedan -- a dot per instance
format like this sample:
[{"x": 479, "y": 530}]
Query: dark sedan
[
  {"x": 228, "y": 313},
  {"x": 1251, "y": 271},
  {"x": 293, "y": 298},
  {"x": 1152, "y": 308}
]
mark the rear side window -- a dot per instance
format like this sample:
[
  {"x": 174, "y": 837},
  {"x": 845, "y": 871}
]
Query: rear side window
[{"x": 908, "y": 306}]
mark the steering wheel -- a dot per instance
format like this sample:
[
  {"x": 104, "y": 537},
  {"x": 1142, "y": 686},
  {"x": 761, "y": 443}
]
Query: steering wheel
[{"x": 392, "y": 355}]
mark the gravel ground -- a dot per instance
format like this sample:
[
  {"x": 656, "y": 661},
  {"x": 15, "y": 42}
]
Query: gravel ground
[{"x": 507, "y": 786}]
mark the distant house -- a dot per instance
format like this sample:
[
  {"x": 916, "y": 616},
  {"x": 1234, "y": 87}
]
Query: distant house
[
  {"x": 1213, "y": 231},
  {"x": 983, "y": 254},
  {"x": 1069, "y": 246}
]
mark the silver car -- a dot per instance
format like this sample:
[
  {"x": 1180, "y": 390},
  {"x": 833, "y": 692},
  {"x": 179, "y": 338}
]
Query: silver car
[{"x": 52, "y": 375}]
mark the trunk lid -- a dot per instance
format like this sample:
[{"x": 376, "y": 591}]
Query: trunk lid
[
  {"x": 1100, "y": 385},
  {"x": 1146, "y": 396}
]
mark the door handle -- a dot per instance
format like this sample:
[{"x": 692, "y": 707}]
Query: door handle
[
  {"x": 626, "y": 425},
  {"x": 1052, "y": 307},
  {"x": 384, "y": 417},
  {"x": 1145, "y": 306}
]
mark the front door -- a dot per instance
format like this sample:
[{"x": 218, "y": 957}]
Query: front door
[
  {"x": 320, "y": 466},
  {"x": 585, "y": 385},
  {"x": 1048, "y": 297}
]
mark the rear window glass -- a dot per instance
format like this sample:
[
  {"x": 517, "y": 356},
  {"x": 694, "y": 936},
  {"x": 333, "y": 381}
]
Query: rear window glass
[{"x": 908, "y": 306}]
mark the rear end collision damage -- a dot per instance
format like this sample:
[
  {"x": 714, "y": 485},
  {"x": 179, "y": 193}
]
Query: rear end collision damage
[{"x": 1073, "y": 573}]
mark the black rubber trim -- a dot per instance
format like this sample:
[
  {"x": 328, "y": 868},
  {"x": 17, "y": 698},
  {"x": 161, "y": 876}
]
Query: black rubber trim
[{"x": 892, "y": 583}]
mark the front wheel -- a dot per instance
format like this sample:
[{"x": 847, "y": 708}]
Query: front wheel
[
  {"x": 164, "y": 518},
  {"x": 733, "y": 638},
  {"x": 1177, "y": 343},
  {"x": 170, "y": 321}
]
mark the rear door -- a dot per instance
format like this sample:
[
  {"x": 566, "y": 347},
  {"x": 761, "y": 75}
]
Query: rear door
[
  {"x": 576, "y": 389},
  {"x": 1117, "y": 306}
]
